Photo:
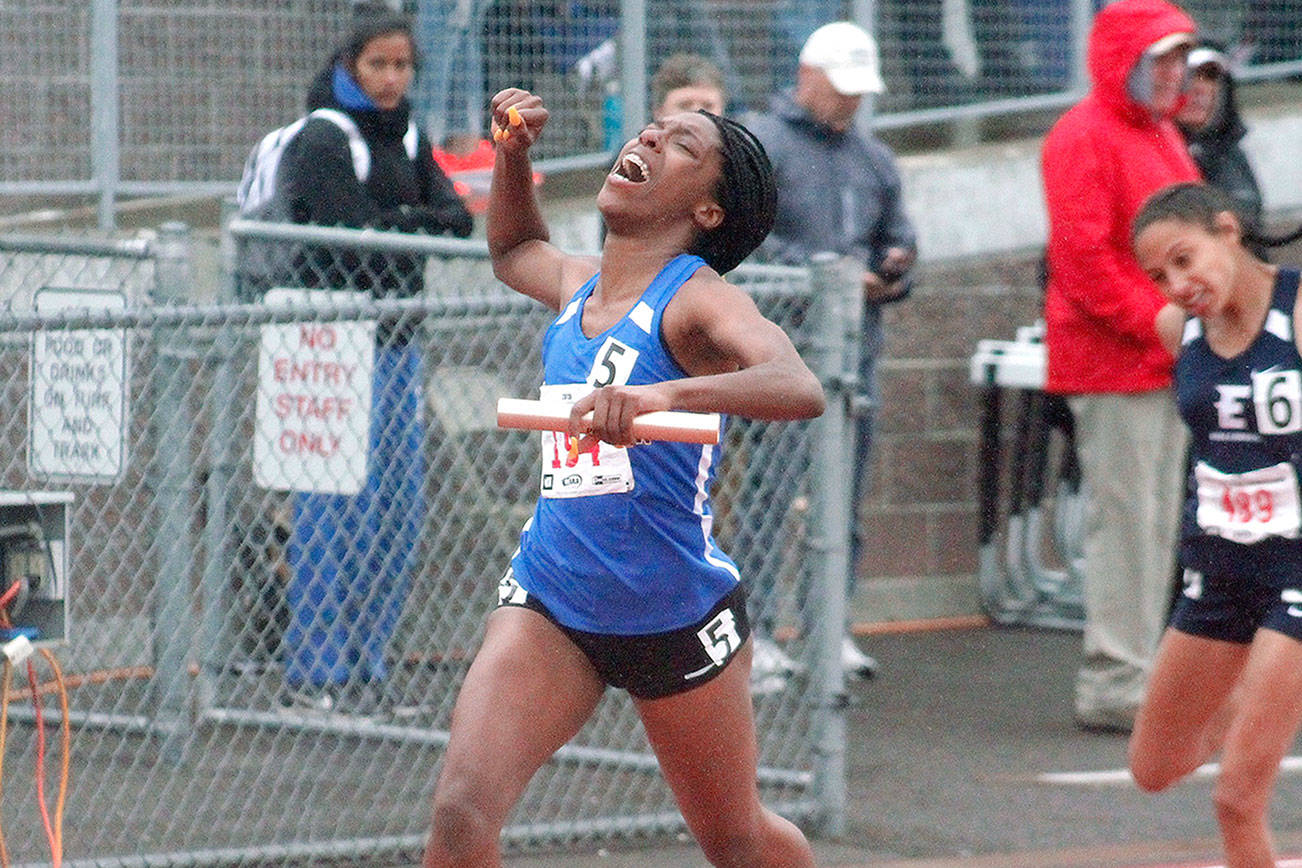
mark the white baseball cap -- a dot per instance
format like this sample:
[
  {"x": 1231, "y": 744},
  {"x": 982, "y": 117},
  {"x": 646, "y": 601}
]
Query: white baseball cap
[
  {"x": 1206, "y": 56},
  {"x": 848, "y": 55}
]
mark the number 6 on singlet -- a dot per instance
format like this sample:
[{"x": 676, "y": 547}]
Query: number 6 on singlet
[{"x": 1277, "y": 396}]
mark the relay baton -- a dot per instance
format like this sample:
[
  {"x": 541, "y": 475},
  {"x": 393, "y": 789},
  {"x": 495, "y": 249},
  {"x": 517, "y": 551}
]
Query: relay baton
[{"x": 676, "y": 425}]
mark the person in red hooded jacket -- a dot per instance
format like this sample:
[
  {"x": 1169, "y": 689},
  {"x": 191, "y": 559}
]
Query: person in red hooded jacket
[{"x": 1100, "y": 161}]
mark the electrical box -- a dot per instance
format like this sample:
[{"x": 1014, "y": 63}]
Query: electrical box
[{"x": 34, "y": 556}]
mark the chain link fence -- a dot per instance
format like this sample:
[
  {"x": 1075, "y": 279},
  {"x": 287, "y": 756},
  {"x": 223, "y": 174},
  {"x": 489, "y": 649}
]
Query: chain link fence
[
  {"x": 242, "y": 502},
  {"x": 146, "y": 96}
]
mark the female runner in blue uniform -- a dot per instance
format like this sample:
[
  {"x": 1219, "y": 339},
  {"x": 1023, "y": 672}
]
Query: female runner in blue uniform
[
  {"x": 617, "y": 581},
  {"x": 1228, "y": 673}
]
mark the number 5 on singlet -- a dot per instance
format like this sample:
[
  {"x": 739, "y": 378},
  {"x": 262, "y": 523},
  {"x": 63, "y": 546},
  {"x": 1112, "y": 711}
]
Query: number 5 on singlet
[{"x": 613, "y": 364}]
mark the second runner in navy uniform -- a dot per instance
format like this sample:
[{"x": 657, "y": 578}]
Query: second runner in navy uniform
[{"x": 1228, "y": 673}]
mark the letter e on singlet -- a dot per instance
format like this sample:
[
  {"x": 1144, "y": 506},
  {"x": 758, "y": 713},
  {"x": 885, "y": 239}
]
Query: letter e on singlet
[{"x": 1230, "y": 405}]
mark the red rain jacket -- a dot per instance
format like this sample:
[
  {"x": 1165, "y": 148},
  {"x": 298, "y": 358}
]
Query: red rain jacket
[{"x": 1100, "y": 161}]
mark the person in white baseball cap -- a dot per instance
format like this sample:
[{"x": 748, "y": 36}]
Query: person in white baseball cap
[
  {"x": 839, "y": 190},
  {"x": 847, "y": 55}
]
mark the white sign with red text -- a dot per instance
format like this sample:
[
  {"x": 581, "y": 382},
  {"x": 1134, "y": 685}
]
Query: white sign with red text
[{"x": 314, "y": 399}]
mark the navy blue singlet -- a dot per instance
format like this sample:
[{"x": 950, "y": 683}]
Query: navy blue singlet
[{"x": 1244, "y": 414}]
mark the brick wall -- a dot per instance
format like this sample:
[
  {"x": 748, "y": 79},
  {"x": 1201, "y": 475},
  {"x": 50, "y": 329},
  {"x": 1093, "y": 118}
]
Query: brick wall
[{"x": 921, "y": 510}]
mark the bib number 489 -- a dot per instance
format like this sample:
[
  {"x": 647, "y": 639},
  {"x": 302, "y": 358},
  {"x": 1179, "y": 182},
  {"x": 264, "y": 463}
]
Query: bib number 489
[{"x": 1249, "y": 507}]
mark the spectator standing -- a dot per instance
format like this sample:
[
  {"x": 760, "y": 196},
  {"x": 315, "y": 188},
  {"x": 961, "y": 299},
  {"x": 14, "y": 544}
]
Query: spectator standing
[
  {"x": 932, "y": 76},
  {"x": 1214, "y": 130},
  {"x": 1100, "y": 161},
  {"x": 838, "y": 191},
  {"x": 793, "y": 22},
  {"x": 351, "y": 557},
  {"x": 450, "y": 88},
  {"x": 580, "y": 38}
]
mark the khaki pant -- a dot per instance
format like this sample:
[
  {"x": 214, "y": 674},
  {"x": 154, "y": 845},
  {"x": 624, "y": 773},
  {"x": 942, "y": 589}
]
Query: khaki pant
[{"x": 1132, "y": 453}]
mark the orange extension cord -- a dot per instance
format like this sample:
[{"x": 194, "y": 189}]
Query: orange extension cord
[{"x": 53, "y": 827}]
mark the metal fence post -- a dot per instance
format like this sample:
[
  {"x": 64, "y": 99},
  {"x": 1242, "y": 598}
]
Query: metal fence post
[
  {"x": 104, "y": 83},
  {"x": 173, "y": 474},
  {"x": 1082, "y": 17},
  {"x": 228, "y": 254},
  {"x": 221, "y": 413},
  {"x": 633, "y": 78},
  {"x": 834, "y": 358},
  {"x": 174, "y": 264}
]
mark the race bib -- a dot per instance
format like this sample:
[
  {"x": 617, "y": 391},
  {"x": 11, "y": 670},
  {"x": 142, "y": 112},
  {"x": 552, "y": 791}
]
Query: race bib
[
  {"x": 567, "y": 472},
  {"x": 1248, "y": 507}
]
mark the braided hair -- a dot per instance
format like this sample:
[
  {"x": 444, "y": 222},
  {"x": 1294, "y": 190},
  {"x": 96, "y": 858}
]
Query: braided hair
[{"x": 747, "y": 193}]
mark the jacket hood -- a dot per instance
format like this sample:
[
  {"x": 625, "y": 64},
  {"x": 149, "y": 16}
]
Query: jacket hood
[
  {"x": 320, "y": 92},
  {"x": 1120, "y": 34}
]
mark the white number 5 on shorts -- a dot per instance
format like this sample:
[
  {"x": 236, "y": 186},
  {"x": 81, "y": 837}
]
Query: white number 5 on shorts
[{"x": 720, "y": 637}]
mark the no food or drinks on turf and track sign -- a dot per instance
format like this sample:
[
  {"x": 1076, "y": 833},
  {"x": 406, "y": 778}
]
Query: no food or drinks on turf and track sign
[{"x": 77, "y": 412}]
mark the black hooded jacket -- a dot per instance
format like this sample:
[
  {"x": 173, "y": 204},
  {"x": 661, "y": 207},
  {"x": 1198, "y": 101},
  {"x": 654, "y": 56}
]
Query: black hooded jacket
[
  {"x": 1218, "y": 151},
  {"x": 401, "y": 193}
]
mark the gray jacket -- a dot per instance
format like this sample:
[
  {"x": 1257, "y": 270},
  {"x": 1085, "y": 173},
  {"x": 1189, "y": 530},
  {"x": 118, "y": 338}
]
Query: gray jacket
[{"x": 836, "y": 191}]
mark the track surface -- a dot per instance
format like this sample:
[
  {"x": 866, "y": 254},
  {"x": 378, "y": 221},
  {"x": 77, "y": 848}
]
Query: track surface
[{"x": 962, "y": 754}]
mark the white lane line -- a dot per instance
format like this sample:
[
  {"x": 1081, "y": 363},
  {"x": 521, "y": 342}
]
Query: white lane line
[
  {"x": 1114, "y": 777},
  {"x": 1285, "y": 863}
]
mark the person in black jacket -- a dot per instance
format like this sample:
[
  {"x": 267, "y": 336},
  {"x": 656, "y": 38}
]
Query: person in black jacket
[
  {"x": 367, "y": 80},
  {"x": 1214, "y": 130},
  {"x": 352, "y": 556}
]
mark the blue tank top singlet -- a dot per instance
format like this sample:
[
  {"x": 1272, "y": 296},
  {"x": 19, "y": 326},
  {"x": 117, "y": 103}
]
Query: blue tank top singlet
[
  {"x": 1245, "y": 421},
  {"x": 620, "y": 541}
]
